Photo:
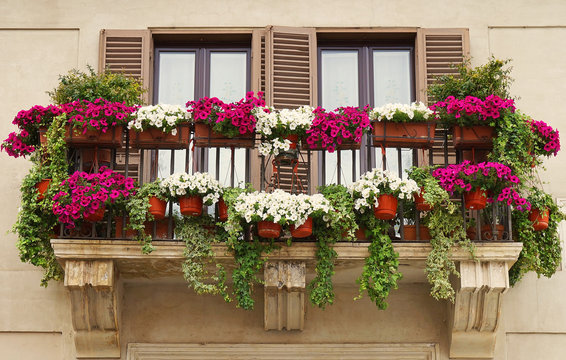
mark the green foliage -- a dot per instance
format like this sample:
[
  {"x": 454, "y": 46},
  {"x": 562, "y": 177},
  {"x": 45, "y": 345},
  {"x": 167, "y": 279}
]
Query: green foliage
[
  {"x": 541, "y": 251},
  {"x": 446, "y": 227},
  {"x": 482, "y": 81},
  {"x": 78, "y": 85},
  {"x": 381, "y": 270},
  {"x": 513, "y": 144},
  {"x": 36, "y": 221},
  {"x": 199, "y": 233}
]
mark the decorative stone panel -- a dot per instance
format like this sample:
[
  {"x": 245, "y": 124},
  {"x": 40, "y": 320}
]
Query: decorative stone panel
[{"x": 284, "y": 294}]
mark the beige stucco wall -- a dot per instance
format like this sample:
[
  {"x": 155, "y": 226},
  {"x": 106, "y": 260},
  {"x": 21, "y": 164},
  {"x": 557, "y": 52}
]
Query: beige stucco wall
[{"x": 41, "y": 39}]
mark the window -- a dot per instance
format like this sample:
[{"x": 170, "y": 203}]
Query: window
[
  {"x": 190, "y": 73},
  {"x": 371, "y": 74}
]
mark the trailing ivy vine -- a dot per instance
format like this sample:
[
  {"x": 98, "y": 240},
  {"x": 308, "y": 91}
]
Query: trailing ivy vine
[{"x": 36, "y": 224}]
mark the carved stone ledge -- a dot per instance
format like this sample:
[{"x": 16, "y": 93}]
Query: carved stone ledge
[
  {"x": 477, "y": 307},
  {"x": 91, "y": 284},
  {"x": 284, "y": 295}
]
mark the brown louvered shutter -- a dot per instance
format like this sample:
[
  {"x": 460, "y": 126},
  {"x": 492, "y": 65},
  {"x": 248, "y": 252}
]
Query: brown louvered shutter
[
  {"x": 438, "y": 50},
  {"x": 290, "y": 67},
  {"x": 127, "y": 52},
  {"x": 290, "y": 82}
]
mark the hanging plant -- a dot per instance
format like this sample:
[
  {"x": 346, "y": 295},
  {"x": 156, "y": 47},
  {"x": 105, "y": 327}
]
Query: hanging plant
[
  {"x": 547, "y": 139},
  {"x": 281, "y": 129},
  {"x": 187, "y": 188}
]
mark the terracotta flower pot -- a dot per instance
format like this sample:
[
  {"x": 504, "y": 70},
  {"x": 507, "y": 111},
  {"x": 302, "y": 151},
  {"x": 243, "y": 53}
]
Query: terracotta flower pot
[
  {"x": 157, "y": 207},
  {"x": 191, "y": 205},
  {"x": 539, "y": 219},
  {"x": 91, "y": 156},
  {"x": 420, "y": 203},
  {"x": 477, "y": 137},
  {"x": 487, "y": 232},
  {"x": 268, "y": 229},
  {"x": 161, "y": 228},
  {"x": 361, "y": 233},
  {"x": 155, "y": 138},
  {"x": 222, "y": 210},
  {"x": 410, "y": 232},
  {"x": 206, "y": 137},
  {"x": 293, "y": 139},
  {"x": 97, "y": 215},
  {"x": 111, "y": 138},
  {"x": 42, "y": 135},
  {"x": 120, "y": 226},
  {"x": 413, "y": 135},
  {"x": 475, "y": 199},
  {"x": 42, "y": 188},
  {"x": 386, "y": 208},
  {"x": 302, "y": 231}
]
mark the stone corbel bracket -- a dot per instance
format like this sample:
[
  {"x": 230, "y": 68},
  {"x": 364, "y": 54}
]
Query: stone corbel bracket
[
  {"x": 91, "y": 285},
  {"x": 477, "y": 307},
  {"x": 284, "y": 295}
]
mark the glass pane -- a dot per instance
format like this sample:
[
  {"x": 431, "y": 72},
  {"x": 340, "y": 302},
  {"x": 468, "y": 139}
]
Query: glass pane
[
  {"x": 176, "y": 86},
  {"x": 339, "y": 85},
  {"x": 228, "y": 82},
  {"x": 176, "y": 77},
  {"x": 228, "y": 75},
  {"x": 391, "y": 77}
]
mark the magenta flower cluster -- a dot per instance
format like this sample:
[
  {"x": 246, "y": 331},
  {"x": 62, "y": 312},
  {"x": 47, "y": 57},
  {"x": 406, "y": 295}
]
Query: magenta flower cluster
[
  {"x": 550, "y": 138},
  {"x": 229, "y": 119},
  {"x": 82, "y": 194},
  {"x": 24, "y": 141},
  {"x": 494, "y": 177},
  {"x": 98, "y": 115},
  {"x": 472, "y": 108},
  {"x": 330, "y": 129}
]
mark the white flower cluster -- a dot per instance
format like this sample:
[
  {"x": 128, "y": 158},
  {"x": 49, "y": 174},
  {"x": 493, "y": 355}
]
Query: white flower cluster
[
  {"x": 275, "y": 122},
  {"x": 274, "y": 146},
  {"x": 387, "y": 111},
  {"x": 162, "y": 116},
  {"x": 181, "y": 184},
  {"x": 292, "y": 120},
  {"x": 377, "y": 182},
  {"x": 280, "y": 205}
]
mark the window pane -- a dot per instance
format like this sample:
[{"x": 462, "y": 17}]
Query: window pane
[
  {"x": 176, "y": 77},
  {"x": 339, "y": 70},
  {"x": 228, "y": 82},
  {"x": 176, "y": 86},
  {"x": 228, "y": 75},
  {"x": 391, "y": 77},
  {"x": 340, "y": 87}
]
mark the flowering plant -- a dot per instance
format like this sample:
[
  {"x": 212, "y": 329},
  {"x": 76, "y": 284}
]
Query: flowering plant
[
  {"x": 547, "y": 140},
  {"x": 25, "y": 141},
  {"x": 201, "y": 184},
  {"x": 230, "y": 120},
  {"x": 82, "y": 194},
  {"x": 162, "y": 116},
  {"x": 274, "y": 125},
  {"x": 415, "y": 112},
  {"x": 100, "y": 114},
  {"x": 378, "y": 182},
  {"x": 281, "y": 207},
  {"x": 330, "y": 129},
  {"x": 472, "y": 110},
  {"x": 493, "y": 177}
]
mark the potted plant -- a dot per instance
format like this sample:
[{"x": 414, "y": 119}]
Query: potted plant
[
  {"x": 403, "y": 125},
  {"x": 270, "y": 211},
  {"x": 541, "y": 204},
  {"x": 380, "y": 189},
  {"x": 32, "y": 125},
  {"x": 486, "y": 181},
  {"x": 281, "y": 129},
  {"x": 96, "y": 123},
  {"x": 547, "y": 139},
  {"x": 164, "y": 126},
  {"x": 84, "y": 196},
  {"x": 341, "y": 129},
  {"x": 193, "y": 191},
  {"x": 225, "y": 125},
  {"x": 472, "y": 119}
]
